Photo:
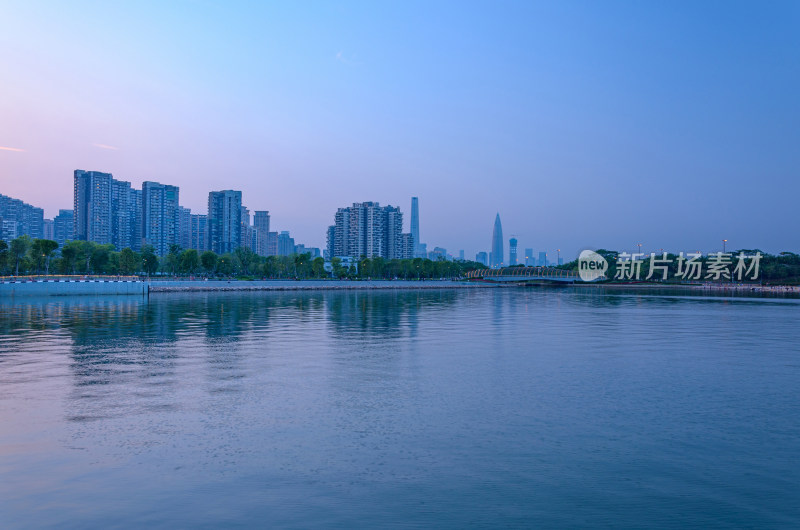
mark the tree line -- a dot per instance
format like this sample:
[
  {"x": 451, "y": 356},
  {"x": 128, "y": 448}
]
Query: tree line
[
  {"x": 782, "y": 268},
  {"x": 26, "y": 256}
]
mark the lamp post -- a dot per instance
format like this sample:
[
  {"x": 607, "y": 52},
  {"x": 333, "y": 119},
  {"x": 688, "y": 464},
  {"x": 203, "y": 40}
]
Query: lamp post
[
  {"x": 640, "y": 248},
  {"x": 724, "y": 242},
  {"x": 558, "y": 259}
]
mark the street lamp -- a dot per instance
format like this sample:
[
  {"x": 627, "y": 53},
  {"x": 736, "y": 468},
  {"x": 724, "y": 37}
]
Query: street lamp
[
  {"x": 724, "y": 241},
  {"x": 558, "y": 260},
  {"x": 640, "y": 248}
]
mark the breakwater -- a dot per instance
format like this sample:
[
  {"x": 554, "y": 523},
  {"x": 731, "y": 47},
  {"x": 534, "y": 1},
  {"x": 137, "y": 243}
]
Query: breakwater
[
  {"x": 94, "y": 287},
  {"x": 304, "y": 285}
]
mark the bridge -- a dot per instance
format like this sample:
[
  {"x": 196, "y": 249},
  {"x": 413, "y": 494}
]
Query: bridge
[{"x": 525, "y": 274}]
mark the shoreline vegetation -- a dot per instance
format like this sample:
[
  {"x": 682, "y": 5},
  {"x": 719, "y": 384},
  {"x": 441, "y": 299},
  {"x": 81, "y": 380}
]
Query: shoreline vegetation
[{"x": 41, "y": 260}]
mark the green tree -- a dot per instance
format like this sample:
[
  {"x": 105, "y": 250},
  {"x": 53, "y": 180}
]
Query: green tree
[
  {"x": 172, "y": 259},
  {"x": 149, "y": 259},
  {"x": 128, "y": 261},
  {"x": 19, "y": 247},
  {"x": 209, "y": 261},
  {"x": 225, "y": 264},
  {"x": 100, "y": 258},
  {"x": 246, "y": 257},
  {"x": 5, "y": 255},
  {"x": 318, "y": 268},
  {"x": 69, "y": 256},
  {"x": 189, "y": 261},
  {"x": 41, "y": 250}
]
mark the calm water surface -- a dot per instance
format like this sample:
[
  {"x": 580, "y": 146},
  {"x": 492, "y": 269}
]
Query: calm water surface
[{"x": 505, "y": 407}]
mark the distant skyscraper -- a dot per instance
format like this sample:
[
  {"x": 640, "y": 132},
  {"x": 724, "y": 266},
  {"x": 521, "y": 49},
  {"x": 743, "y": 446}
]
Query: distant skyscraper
[
  {"x": 482, "y": 258},
  {"x": 261, "y": 226},
  {"x": 199, "y": 229},
  {"x": 272, "y": 243},
  {"x": 366, "y": 229},
  {"x": 409, "y": 247},
  {"x": 92, "y": 206},
  {"x": 20, "y": 218},
  {"x": 542, "y": 259},
  {"x": 63, "y": 227},
  {"x": 224, "y": 220},
  {"x": 285, "y": 244},
  {"x": 136, "y": 219},
  {"x": 160, "y": 216},
  {"x": 184, "y": 227},
  {"x": 415, "y": 225},
  {"x": 529, "y": 259},
  {"x": 512, "y": 251},
  {"x": 48, "y": 230},
  {"x": 461, "y": 255},
  {"x": 123, "y": 214},
  {"x": 497, "y": 243}
]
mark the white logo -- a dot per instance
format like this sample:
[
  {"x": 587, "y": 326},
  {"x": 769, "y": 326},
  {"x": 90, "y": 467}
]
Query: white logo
[{"x": 591, "y": 266}]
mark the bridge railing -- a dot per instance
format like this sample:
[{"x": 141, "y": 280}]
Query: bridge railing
[{"x": 522, "y": 272}]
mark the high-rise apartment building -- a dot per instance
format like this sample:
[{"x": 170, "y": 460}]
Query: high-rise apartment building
[
  {"x": 106, "y": 210},
  {"x": 542, "y": 259},
  {"x": 48, "y": 230},
  {"x": 123, "y": 214},
  {"x": 512, "y": 251},
  {"x": 285, "y": 244},
  {"x": 92, "y": 206},
  {"x": 160, "y": 219},
  {"x": 409, "y": 247},
  {"x": 184, "y": 237},
  {"x": 482, "y": 258},
  {"x": 63, "y": 226},
  {"x": 199, "y": 232},
  {"x": 529, "y": 259},
  {"x": 224, "y": 220},
  {"x": 272, "y": 243},
  {"x": 246, "y": 231},
  {"x": 367, "y": 229},
  {"x": 20, "y": 218},
  {"x": 261, "y": 227}
]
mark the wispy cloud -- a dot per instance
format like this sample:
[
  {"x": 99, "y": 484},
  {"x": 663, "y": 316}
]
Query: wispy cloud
[
  {"x": 104, "y": 146},
  {"x": 342, "y": 59},
  {"x": 15, "y": 149}
]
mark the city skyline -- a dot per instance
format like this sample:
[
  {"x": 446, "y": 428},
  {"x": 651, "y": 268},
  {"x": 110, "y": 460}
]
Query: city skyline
[{"x": 335, "y": 110}]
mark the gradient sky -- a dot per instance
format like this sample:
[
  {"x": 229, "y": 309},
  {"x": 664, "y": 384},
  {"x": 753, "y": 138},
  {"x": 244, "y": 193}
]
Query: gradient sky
[{"x": 584, "y": 124}]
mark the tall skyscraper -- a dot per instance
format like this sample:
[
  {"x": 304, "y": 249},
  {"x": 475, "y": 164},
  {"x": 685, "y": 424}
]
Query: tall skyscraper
[
  {"x": 48, "y": 230},
  {"x": 92, "y": 206},
  {"x": 497, "y": 243},
  {"x": 512, "y": 251},
  {"x": 160, "y": 219},
  {"x": 529, "y": 259},
  {"x": 20, "y": 218},
  {"x": 367, "y": 229},
  {"x": 415, "y": 225},
  {"x": 123, "y": 214},
  {"x": 136, "y": 220},
  {"x": 261, "y": 226},
  {"x": 409, "y": 247},
  {"x": 224, "y": 220},
  {"x": 63, "y": 227},
  {"x": 247, "y": 236},
  {"x": 542, "y": 259},
  {"x": 482, "y": 258},
  {"x": 199, "y": 224},
  {"x": 184, "y": 227},
  {"x": 272, "y": 243},
  {"x": 285, "y": 244}
]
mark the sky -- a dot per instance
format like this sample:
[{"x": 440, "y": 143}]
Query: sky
[{"x": 584, "y": 124}]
